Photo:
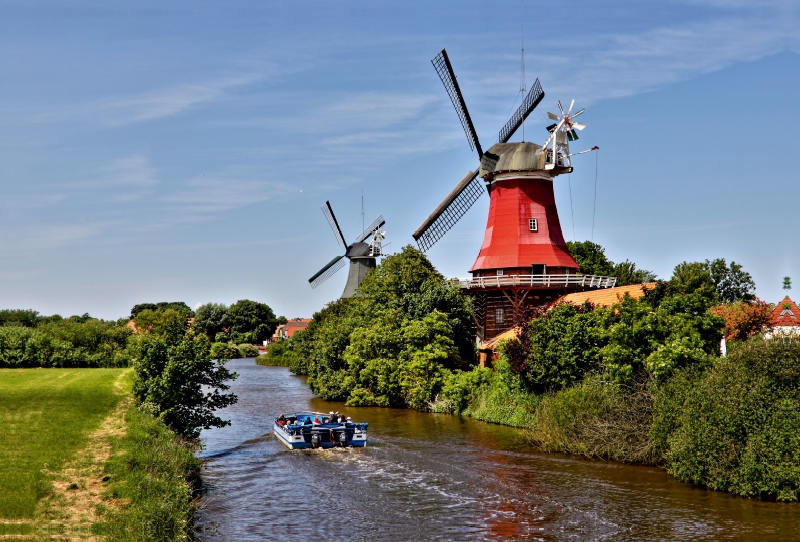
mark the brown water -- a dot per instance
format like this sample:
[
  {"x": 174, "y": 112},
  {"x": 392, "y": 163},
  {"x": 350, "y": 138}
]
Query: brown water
[{"x": 441, "y": 477}]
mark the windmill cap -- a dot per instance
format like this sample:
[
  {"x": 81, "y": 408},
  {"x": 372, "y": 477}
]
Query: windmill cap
[
  {"x": 358, "y": 250},
  {"x": 503, "y": 157}
]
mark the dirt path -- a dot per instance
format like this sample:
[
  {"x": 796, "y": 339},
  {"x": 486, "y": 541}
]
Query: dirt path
[{"x": 69, "y": 512}]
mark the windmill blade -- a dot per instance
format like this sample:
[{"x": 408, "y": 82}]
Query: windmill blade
[
  {"x": 327, "y": 272},
  {"x": 570, "y": 107},
  {"x": 441, "y": 63},
  {"x": 327, "y": 210},
  {"x": 578, "y": 125},
  {"x": 552, "y": 116},
  {"x": 377, "y": 223},
  {"x": 535, "y": 95},
  {"x": 450, "y": 211},
  {"x": 560, "y": 108},
  {"x": 579, "y": 113}
]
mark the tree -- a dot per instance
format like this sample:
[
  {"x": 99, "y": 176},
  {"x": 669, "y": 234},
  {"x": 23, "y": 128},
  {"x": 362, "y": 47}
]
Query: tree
[
  {"x": 732, "y": 283},
  {"x": 691, "y": 277},
  {"x": 156, "y": 321},
  {"x": 743, "y": 319},
  {"x": 714, "y": 278},
  {"x": 179, "y": 306},
  {"x": 251, "y": 322},
  {"x": 178, "y": 381},
  {"x": 557, "y": 347},
  {"x": 627, "y": 273},
  {"x": 210, "y": 319},
  {"x": 591, "y": 258},
  {"x": 19, "y": 317},
  {"x": 391, "y": 344}
]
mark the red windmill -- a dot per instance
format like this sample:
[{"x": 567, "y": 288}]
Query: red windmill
[{"x": 524, "y": 258}]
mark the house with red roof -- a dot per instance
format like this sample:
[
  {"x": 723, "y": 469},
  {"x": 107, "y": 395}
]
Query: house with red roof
[
  {"x": 784, "y": 319},
  {"x": 285, "y": 331}
]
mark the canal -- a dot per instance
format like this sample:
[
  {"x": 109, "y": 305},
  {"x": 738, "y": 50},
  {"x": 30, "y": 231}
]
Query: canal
[{"x": 441, "y": 477}]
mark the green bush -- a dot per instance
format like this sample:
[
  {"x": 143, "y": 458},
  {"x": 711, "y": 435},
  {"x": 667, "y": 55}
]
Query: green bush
[
  {"x": 279, "y": 354},
  {"x": 498, "y": 396},
  {"x": 559, "y": 346},
  {"x": 72, "y": 342},
  {"x": 248, "y": 350},
  {"x": 597, "y": 418},
  {"x": 737, "y": 428},
  {"x": 224, "y": 351}
]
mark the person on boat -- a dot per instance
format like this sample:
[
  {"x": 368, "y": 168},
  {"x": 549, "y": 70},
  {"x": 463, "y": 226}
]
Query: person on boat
[
  {"x": 281, "y": 420},
  {"x": 317, "y": 421}
]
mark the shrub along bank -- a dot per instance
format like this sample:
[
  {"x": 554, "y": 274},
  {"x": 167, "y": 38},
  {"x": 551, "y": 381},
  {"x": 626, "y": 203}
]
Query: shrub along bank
[
  {"x": 157, "y": 477},
  {"x": 77, "y": 341}
]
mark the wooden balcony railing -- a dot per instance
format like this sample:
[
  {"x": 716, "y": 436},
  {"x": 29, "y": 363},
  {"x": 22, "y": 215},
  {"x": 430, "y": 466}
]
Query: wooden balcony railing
[{"x": 542, "y": 281}]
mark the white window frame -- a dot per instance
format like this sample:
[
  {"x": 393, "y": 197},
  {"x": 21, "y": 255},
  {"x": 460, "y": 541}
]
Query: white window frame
[
  {"x": 499, "y": 272},
  {"x": 499, "y": 316},
  {"x": 533, "y": 224}
]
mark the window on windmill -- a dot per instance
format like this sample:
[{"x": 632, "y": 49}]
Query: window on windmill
[
  {"x": 533, "y": 224},
  {"x": 499, "y": 272},
  {"x": 499, "y": 316}
]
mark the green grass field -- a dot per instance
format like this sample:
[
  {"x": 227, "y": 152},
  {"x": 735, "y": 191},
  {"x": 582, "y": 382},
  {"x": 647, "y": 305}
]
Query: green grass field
[{"x": 46, "y": 416}]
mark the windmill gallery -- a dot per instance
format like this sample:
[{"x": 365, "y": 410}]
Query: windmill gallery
[{"x": 524, "y": 261}]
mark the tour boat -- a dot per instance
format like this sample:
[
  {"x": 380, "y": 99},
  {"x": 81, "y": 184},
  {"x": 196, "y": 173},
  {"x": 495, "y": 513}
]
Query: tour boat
[{"x": 315, "y": 430}]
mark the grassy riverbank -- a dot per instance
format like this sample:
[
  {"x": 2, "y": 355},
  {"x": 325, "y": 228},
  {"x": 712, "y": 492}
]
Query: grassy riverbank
[
  {"x": 77, "y": 461},
  {"x": 46, "y": 417},
  {"x": 267, "y": 360}
]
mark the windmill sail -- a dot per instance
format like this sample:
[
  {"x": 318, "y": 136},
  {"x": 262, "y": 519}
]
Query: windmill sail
[
  {"x": 327, "y": 272},
  {"x": 445, "y": 70},
  {"x": 377, "y": 223},
  {"x": 337, "y": 231},
  {"x": 450, "y": 211},
  {"x": 530, "y": 102}
]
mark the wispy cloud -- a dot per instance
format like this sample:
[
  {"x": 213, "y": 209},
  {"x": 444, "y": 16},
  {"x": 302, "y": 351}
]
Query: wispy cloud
[
  {"x": 167, "y": 102},
  {"x": 618, "y": 65},
  {"x": 202, "y": 196},
  {"x": 126, "y": 179},
  {"x": 351, "y": 135},
  {"x": 42, "y": 237},
  {"x": 149, "y": 105}
]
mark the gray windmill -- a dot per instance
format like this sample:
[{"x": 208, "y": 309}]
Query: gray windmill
[{"x": 362, "y": 255}]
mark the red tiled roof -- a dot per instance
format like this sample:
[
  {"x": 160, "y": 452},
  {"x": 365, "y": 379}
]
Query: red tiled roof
[
  {"x": 605, "y": 297},
  {"x": 785, "y": 314},
  {"x": 293, "y": 326}
]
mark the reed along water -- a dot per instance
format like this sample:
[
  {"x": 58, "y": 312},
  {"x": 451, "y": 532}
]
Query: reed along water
[{"x": 441, "y": 477}]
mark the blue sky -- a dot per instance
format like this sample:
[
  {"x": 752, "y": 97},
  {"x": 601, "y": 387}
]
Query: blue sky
[{"x": 181, "y": 151}]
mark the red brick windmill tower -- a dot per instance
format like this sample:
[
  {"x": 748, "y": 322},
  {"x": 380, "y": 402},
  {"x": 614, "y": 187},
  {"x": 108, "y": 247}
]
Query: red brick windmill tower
[{"x": 524, "y": 259}]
